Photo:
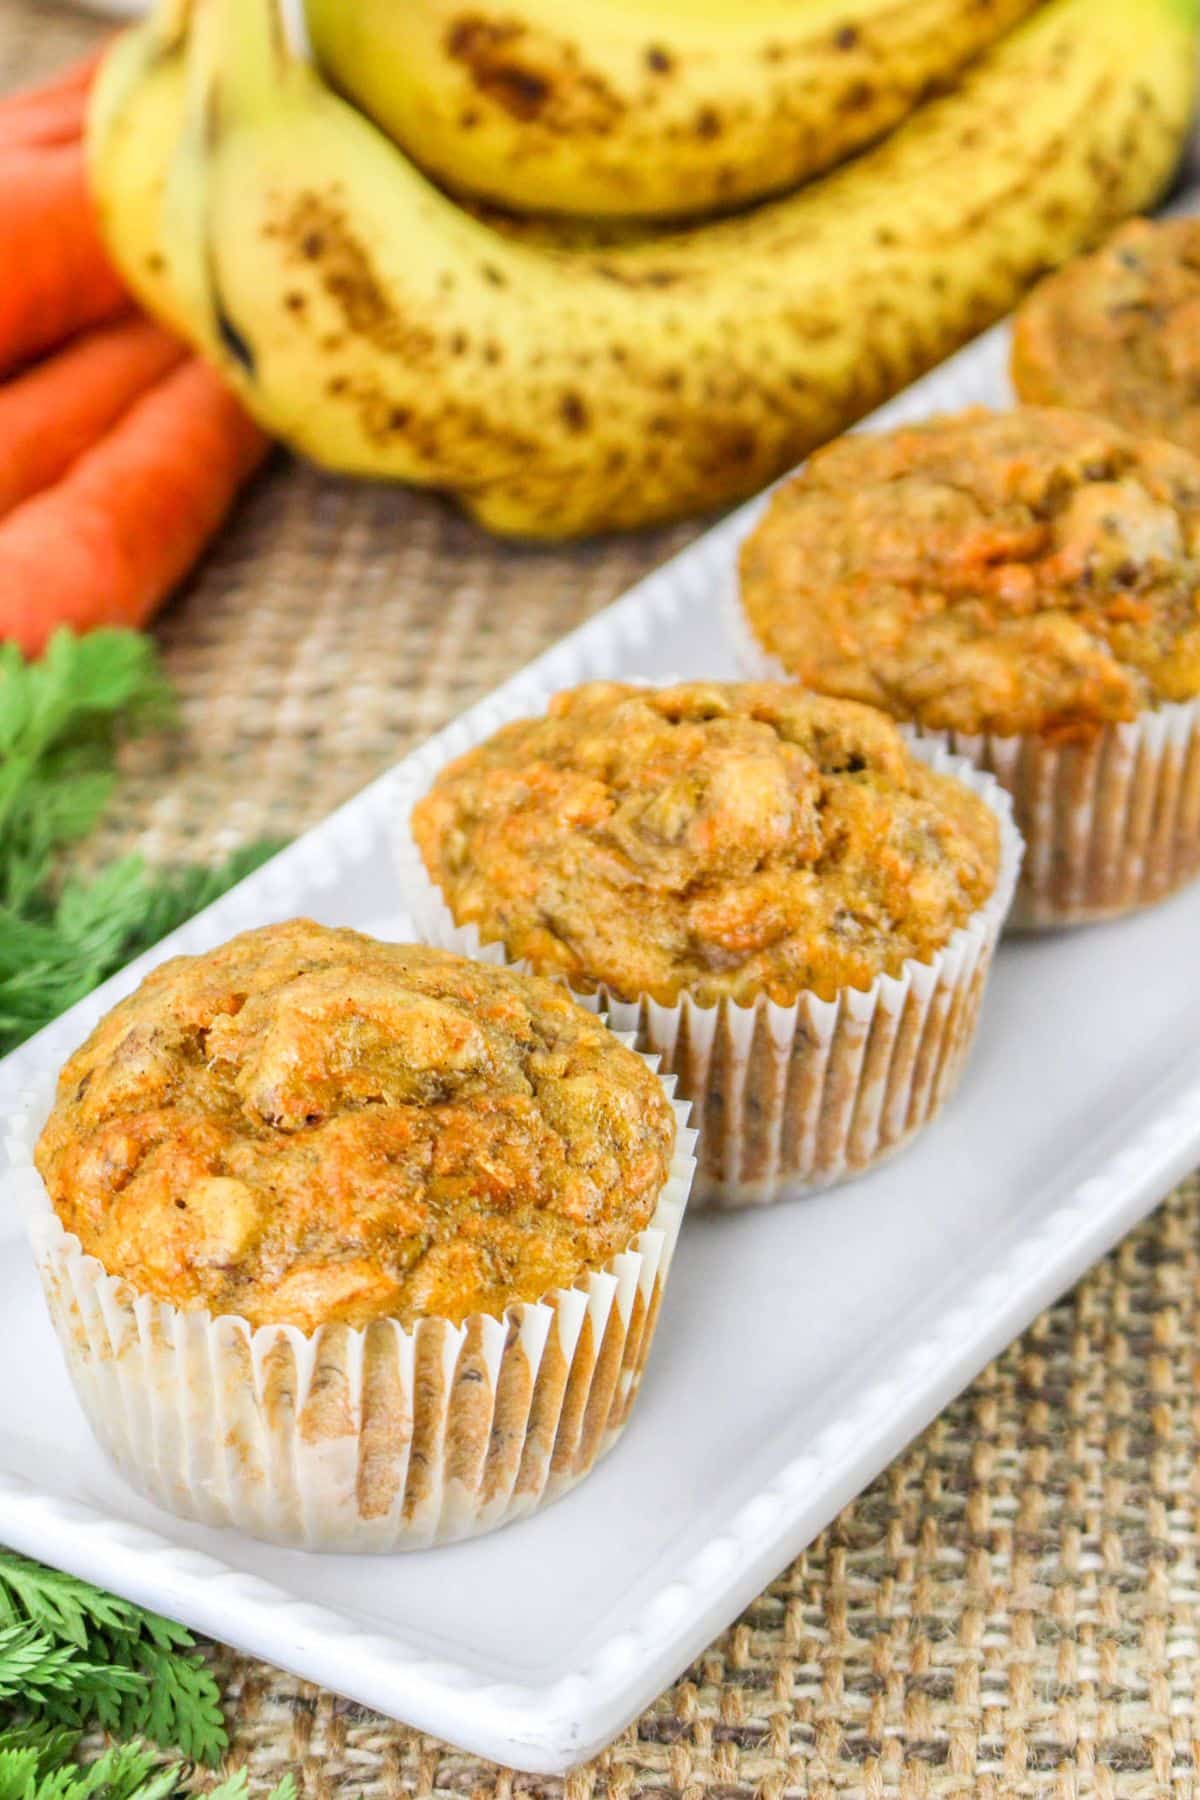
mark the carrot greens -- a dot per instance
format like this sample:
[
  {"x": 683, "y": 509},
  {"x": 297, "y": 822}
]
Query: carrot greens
[
  {"x": 73, "y": 1657},
  {"x": 62, "y": 720},
  {"x": 75, "y": 1660}
]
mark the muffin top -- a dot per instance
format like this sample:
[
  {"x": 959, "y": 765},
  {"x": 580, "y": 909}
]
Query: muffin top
[
  {"x": 308, "y": 1126},
  {"x": 1118, "y": 333},
  {"x": 1029, "y": 571},
  {"x": 721, "y": 838}
]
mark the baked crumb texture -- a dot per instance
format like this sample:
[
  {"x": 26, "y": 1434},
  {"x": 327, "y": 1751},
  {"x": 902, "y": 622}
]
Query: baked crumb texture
[
  {"x": 1029, "y": 571},
  {"x": 718, "y": 839},
  {"x": 308, "y": 1127},
  {"x": 1025, "y": 587},
  {"x": 769, "y": 888},
  {"x": 400, "y": 1132},
  {"x": 1118, "y": 333}
]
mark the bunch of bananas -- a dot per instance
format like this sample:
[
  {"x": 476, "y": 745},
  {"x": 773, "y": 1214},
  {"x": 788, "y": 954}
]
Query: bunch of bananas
[{"x": 346, "y": 261}]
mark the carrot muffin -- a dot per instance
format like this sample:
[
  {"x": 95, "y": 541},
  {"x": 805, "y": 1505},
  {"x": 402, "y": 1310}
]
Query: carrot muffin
[
  {"x": 723, "y": 839},
  {"x": 1027, "y": 583},
  {"x": 1118, "y": 333},
  {"x": 376, "y": 1144},
  {"x": 735, "y": 849}
]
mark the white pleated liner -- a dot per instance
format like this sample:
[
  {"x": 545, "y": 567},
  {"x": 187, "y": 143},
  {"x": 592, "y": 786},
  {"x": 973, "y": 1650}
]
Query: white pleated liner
[
  {"x": 1110, "y": 825},
  {"x": 792, "y": 1098},
  {"x": 379, "y": 1439}
]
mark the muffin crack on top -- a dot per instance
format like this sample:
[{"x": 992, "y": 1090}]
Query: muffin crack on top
[
  {"x": 723, "y": 839},
  {"x": 308, "y": 1126},
  {"x": 1033, "y": 571}
]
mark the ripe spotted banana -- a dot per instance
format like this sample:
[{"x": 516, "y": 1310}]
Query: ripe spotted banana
[
  {"x": 376, "y": 326},
  {"x": 135, "y": 117},
  {"x": 617, "y": 109}
]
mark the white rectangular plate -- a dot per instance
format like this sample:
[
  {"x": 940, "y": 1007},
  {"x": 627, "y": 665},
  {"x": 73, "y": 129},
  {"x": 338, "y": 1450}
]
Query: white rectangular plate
[{"x": 801, "y": 1346}]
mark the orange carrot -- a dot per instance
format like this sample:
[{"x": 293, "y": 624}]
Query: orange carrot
[
  {"x": 52, "y": 112},
  {"x": 106, "y": 545},
  {"x": 59, "y": 407},
  {"x": 55, "y": 120},
  {"x": 55, "y": 278},
  {"x": 75, "y": 77}
]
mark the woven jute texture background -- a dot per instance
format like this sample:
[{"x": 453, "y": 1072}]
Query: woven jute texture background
[{"x": 1012, "y": 1609}]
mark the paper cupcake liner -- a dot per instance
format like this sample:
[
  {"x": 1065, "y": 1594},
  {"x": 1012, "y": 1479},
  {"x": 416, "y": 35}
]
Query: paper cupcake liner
[
  {"x": 787, "y": 1098},
  {"x": 1110, "y": 825},
  {"x": 381, "y": 1439}
]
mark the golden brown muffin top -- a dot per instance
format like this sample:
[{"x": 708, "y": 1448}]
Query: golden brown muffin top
[
  {"x": 308, "y": 1126},
  {"x": 1118, "y": 333},
  {"x": 720, "y": 838},
  {"x": 1029, "y": 571}
]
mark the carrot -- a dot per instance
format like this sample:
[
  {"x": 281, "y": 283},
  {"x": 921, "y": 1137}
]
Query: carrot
[
  {"x": 55, "y": 120},
  {"x": 107, "y": 544},
  {"x": 53, "y": 112},
  {"x": 56, "y": 410},
  {"x": 75, "y": 78},
  {"x": 56, "y": 279}
]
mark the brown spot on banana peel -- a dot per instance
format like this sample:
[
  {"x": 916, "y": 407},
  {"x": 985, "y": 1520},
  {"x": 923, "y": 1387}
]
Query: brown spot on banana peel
[
  {"x": 315, "y": 231},
  {"x": 639, "y": 278},
  {"x": 535, "y": 78},
  {"x": 857, "y": 97},
  {"x": 574, "y": 412},
  {"x": 442, "y": 432}
]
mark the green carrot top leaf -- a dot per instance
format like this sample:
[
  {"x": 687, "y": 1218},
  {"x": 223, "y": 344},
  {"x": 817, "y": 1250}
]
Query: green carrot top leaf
[
  {"x": 61, "y": 720},
  {"x": 79, "y": 693},
  {"x": 237, "y": 1787},
  {"x": 74, "y": 1657},
  {"x": 58, "y": 1604}
]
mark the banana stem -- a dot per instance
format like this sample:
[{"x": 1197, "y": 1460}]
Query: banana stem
[
  {"x": 201, "y": 69},
  {"x": 251, "y": 53},
  {"x": 169, "y": 21}
]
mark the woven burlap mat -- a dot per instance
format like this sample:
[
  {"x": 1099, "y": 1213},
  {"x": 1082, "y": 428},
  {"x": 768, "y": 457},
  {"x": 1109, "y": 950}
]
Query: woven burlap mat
[{"x": 1012, "y": 1609}]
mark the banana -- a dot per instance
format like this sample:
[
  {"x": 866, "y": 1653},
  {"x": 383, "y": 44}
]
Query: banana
[
  {"x": 377, "y": 327},
  {"x": 134, "y": 123},
  {"x": 615, "y": 109}
]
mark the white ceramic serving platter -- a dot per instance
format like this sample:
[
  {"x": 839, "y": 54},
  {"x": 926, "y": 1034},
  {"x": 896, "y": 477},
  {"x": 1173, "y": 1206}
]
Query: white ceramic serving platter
[{"x": 801, "y": 1346}]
